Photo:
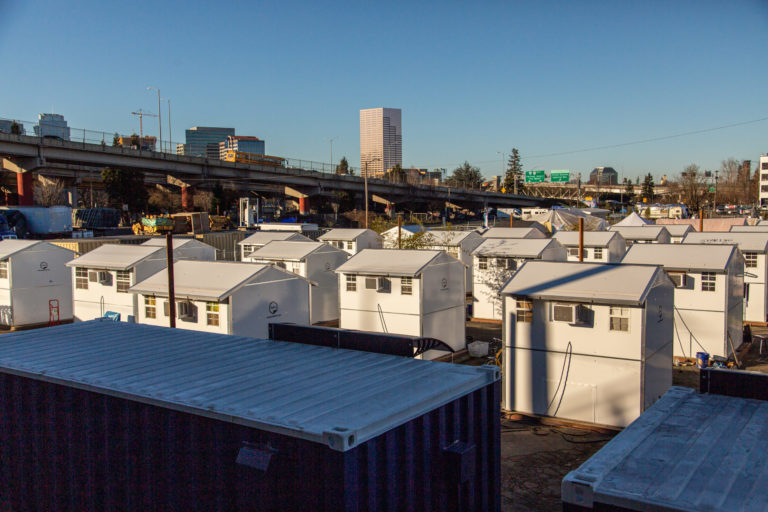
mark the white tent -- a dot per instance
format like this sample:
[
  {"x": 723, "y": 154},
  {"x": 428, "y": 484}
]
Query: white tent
[
  {"x": 633, "y": 219},
  {"x": 568, "y": 220}
]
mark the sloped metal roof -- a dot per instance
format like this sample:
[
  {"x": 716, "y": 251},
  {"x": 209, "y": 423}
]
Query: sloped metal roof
[
  {"x": 515, "y": 247},
  {"x": 204, "y": 280},
  {"x": 590, "y": 282},
  {"x": 292, "y": 251},
  {"x": 264, "y": 237},
  {"x": 513, "y": 233},
  {"x": 753, "y": 241},
  {"x": 686, "y": 256},
  {"x": 117, "y": 256},
  {"x": 177, "y": 242},
  {"x": 639, "y": 232},
  {"x": 591, "y": 238},
  {"x": 451, "y": 237},
  {"x": 336, "y": 397},
  {"x": 344, "y": 234},
  {"x": 406, "y": 262},
  {"x": 10, "y": 247}
]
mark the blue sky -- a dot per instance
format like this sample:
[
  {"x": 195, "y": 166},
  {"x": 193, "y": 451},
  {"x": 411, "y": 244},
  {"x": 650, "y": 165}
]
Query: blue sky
[{"x": 472, "y": 80}]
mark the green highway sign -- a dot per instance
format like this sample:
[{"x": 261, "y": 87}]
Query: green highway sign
[
  {"x": 559, "y": 176},
  {"x": 535, "y": 176}
]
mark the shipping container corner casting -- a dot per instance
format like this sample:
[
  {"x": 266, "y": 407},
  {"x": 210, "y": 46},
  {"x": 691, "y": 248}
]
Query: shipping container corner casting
[{"x": 101, "y": 415}]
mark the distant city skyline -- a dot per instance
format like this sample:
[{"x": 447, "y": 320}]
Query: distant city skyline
[
  {"x": 555, "y": 80},
  {"x": 381, "y": 140}
]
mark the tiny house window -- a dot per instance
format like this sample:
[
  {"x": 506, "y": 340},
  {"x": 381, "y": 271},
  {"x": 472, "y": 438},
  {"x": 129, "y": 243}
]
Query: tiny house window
[
  {"x": 573, "y": 251},
  {"x": 4, "y": 269},
  {"x": 123, "y": 281},
  {"x": 678, "y": 278},
  {"x": 524, "y": 311},
  {"x": 619, "y": 319},
  {"x": 247, "y": 249},
  {"x": 506, "y": 263},
  {"x": 150, "y": 307},
  {"x": 598, "y": 253},
  {"x": 708, "y": 281},
  {"x": 212, "y": 313},
  {"x": 351, "y": 283},
  {"x": 482, "y": 263},
  {"x": 406, "y": 285},
  {"x": 349, "y": 246},
  {"x": 81, "y": 278},
  {"x": 750, "y": 260}
]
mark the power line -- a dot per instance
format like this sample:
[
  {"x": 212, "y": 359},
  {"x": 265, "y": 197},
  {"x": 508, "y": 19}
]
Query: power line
[{"x": 654, "y": 139}]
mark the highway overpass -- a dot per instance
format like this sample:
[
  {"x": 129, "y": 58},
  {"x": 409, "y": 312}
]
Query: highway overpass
[{"x": 71, "y": 161}]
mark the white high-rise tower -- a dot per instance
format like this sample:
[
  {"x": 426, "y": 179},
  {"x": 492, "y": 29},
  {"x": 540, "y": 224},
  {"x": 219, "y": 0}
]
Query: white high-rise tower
[{"x": 381, "y": 140}]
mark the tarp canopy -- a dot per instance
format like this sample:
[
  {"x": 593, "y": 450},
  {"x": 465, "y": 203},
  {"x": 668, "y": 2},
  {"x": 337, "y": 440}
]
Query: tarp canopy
[
  {"x": 633, "y": 219},
  {"x": 568, "y": 220}
]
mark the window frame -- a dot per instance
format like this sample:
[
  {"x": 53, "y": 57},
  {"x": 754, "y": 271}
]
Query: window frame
[
  {"x": 406, "y": 285},
  {"x": 524, "y": 311},
  {"x": 121, "y": 279},
  {"x": 620, "y": 313},
  {"x": 482, "y": 262},
  {"x": 212, "y": 312},
  {"x": 597, "y": 253},
  {"x": 150, "y": 305},
  {"x": 708, "y": 282},
  {"x": 351, "y": 281},
  {"x": 81, "y": 278},
  {"x": 750, "y": 259},
  {"x": 573, "y": 252},
  {"x": 4, "y": 269}
]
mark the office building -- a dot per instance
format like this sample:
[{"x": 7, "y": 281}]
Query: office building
[
  {"x": 242, "y": 144},
  {"x": 763, "y": 170},
  {"x": 204, "y": 140},
  {"x": 381, "y": 140},
  {"x": 6, "y": 126},
  {"x": 52, "y": 125},
  {"x": 606, "y": 176}
]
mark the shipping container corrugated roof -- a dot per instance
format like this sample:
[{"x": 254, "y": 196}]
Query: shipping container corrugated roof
[
  {"x": 591, "y": 238},
  {"x": 264, "y": 237},
  {"x": 590, "y": 282},
  {"x": 204, "y": 280},
  {"x": 450, "y": 237},
  {"x": 678, "y": 229},
  {"x": 688, "y": 452},
  {"x": 513, "y": 233},
  {"x": 177, "y": 242},
  {"x": 515, "y": 247},
  {"x": 648, "y": 232},
  {"x": 344, "y": 234},
  {"x": 117, "y": 257},
  {"x": 402, "y": 262},
  {"x": 753, "y": 242},
  {"x": 687, "y": 256},
  {"x": 10, "y": 247},
  {"x": 289, "y": 251},
  {"x": 336, "y": 397}
]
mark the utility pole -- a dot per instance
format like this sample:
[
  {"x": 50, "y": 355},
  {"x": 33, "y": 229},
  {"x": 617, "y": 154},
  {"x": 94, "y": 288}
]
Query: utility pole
[
  {"x": 366, "y": 188},
  {"x": 141, "y": 115},
  {"x": 714, "y": 206},
  {"x": 170, "y": 138},
  {"x": 159, "y": 119}
]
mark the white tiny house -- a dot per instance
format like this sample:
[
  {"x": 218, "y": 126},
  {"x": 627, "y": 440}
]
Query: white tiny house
[
  {"x": 494, "y": 262},
  {"x": 709, "y": 294},
  {"x": 224, "y": 297},
  {"x": 599, "y": 246},
  {"x": 262, "y": 238},
  {"x": 458, "y": 244},
  {"x": 585, "y": 341},
  {"x": 352, "y": 241},
  {"x": 186, "y": 248},
  {"x": 527, "y": 232},
  {"x": 35, "y": 283},
  {"x": 315, "y": 261},
  {"x": 389, "y": 237},
  {"x": 677, "y": 232},
  {"x": 413, "y": 292},
  {"x": 643, "y": 234},
  {"x": 754, "y": 247},
  {"x": 101, "y": 279}
]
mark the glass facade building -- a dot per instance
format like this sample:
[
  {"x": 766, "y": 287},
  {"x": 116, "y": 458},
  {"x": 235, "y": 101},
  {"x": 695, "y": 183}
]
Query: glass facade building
[{"x": 204, "y": 140}]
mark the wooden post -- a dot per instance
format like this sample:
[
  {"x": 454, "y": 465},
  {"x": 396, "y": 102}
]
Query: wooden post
[
  {"x": 511, "y": 220},
  {"x": 171, "y": 292},
  {"x": 399, "y": 232},
  {"x": 701, "y": 220},
  {"x": 581, "y": 239}
]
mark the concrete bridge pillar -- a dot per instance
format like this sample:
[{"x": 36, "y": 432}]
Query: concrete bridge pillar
[
  {"x": 26, "y": 188},
  {"x": 187, "y": 198}
]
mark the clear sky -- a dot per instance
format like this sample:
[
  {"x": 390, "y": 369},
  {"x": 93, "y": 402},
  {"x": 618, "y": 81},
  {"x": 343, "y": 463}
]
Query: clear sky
[{"x": 472, "y": 79}]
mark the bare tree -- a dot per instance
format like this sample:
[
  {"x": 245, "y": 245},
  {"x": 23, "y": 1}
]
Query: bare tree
[
  {"x": 693, "y": 187},
  {"x": 50, "y": 192}
]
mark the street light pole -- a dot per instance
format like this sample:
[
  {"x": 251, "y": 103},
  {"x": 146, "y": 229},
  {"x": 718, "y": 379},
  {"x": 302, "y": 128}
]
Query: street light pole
[
  {"x": 331, "y": 141},
  {"x": 159, "y": 119},
  {"x": 170, "y": 137}
]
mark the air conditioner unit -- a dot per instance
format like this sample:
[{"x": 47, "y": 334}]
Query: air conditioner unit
[
  {"x": 104, "y": 277},
  {"x": 679, "y": 279},
  {"x": 186, "y": 311},
  {"x": 371, "y": 283},
  {"x": 570, "y": 313},
  {"x": 384, "y": 285}
]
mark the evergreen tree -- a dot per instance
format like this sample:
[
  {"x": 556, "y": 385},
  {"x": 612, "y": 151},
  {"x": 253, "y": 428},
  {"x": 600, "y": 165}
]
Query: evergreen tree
[
  {"x": 116, "y": 140},
  {"x": 648, "y": 187},
  {"x": 125, "y": 187},
  {"x": 343, "y": 167},
  {"x": 514, "y": 172},
  {"x": 465, "y": 176},
  {"x": 15, "y": 128},
  {"x": 397, "y": 174}
]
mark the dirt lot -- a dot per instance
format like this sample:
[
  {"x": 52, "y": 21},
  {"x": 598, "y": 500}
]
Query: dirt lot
[{"x": 536, "y": 457}]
